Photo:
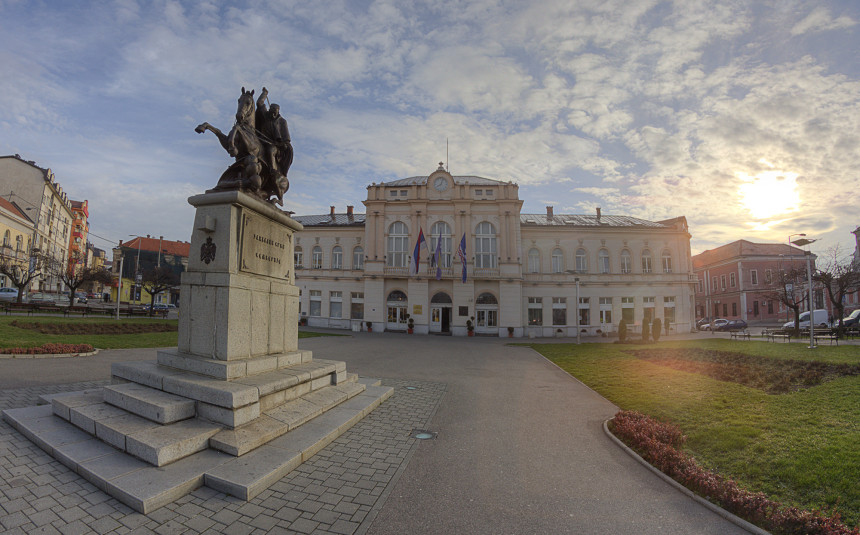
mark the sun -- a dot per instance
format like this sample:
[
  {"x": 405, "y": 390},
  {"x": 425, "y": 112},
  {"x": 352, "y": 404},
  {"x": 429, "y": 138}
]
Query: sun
[{"x": 769, "y": 194}]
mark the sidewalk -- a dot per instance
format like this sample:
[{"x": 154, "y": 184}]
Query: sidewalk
[{"x": 519, "y": 448}]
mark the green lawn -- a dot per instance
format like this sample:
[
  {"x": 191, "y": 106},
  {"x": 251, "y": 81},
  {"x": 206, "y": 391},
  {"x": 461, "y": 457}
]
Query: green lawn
[
  {"x": 800, "y": 448},
  {"x": 11, "y": 336}
]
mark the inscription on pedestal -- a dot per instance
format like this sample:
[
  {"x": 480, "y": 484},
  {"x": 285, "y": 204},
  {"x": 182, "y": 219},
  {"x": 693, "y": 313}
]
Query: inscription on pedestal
[{"x": 266, "y": 247}]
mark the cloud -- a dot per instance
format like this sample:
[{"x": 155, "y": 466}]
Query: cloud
[{"x": 820, "y": 20}]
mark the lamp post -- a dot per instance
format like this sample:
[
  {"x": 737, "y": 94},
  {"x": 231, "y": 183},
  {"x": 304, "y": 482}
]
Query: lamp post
[
  {"x": 578, "y": 334},
  {"x": 118, "y": 252},
  {"x": 137, "y": 266},
  {"x": 800, "y": 243}
]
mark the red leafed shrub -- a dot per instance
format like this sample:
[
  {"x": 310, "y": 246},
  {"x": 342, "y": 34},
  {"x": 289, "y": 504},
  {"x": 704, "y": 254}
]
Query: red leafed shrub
[
  {"x": 48, "y": 349},
  {"x": 659, "y": 443}
]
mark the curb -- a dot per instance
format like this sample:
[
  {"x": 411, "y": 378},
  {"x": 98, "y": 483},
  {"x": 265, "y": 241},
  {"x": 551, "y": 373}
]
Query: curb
[
  {"x": 734, "y": 519},
  {"x": 46, "y": 355}
]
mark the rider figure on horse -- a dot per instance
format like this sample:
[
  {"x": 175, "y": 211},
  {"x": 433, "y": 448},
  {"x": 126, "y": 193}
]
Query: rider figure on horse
[{"x": 277, "y": 149}]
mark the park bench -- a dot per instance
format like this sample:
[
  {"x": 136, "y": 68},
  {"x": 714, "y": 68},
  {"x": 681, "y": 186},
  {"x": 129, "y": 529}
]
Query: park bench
[
  {"x": 40, "y": 307},
  {"x": 825, "y": 334},
  {"x": 773, "y": 335},
  {"x": 19, "y": 307},
  {"x": 740, "y": 335},
  {"x": 83, "y": 311}
]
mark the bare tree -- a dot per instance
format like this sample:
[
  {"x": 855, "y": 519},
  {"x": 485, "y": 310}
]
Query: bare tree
[
  {"x": 156, "y": 280},
  {"x": 840, "y": 275},
  {"x": 22, "y": 269},
  {"x": 785, "y": 290},
  {"x": 76, "y": 273}
]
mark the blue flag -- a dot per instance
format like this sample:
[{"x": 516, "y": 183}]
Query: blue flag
[
  {"x": 436, "y": 256},
  {"x": 461, "y": 252},
  {"x": 416, "y": 254}
]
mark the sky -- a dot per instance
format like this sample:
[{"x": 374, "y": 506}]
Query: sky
[{"x": 743, "y": 116}]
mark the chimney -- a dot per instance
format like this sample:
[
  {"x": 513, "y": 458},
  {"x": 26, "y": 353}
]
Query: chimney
[
  {"x": 349, "y": 211},
  {"x": 332, "y": 211},
  {"x": 549, "y": 213},
  {"x": 598, "y": 214}
]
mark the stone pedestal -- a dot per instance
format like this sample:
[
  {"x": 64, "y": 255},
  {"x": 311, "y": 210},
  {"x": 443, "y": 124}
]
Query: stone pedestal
[{"x": 229, "y": 406}]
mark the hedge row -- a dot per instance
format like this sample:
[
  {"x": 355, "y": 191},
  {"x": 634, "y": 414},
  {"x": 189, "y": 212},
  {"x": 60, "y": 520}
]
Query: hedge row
[
  {"x": 660, "y": 444},
  {"x": 48, "y": 349}
]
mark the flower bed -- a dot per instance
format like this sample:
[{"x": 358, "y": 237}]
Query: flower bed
[
  {"x": 660, "y": 444},
  {"x": 48, "y": 349}
]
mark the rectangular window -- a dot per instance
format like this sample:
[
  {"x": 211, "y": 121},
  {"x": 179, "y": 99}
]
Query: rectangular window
[
  {"x": 725, "y": 309},
  {"x": 585, "y": 311},
  {"x": 337, "y": 258},
  {"x": 356, "y": 310},
  {"x": 648, "y": 309},
  {"x": 668, "y": 317},
  {"x": 393, "y": 193},
  {"x": 605, "y": 316},
  {"x": 770, "y": 307},
  {"x": 768, "y": 276},
  {"x": 535, "y": 311},
  {"x": 335, "y": 309},
  {"x": 714, "y": 284},
  {"x": 627, "y": 309},
  {"x": 732, "y": 280},
  {"x": 755, "y": 308},
  {"x": 316, "y": 258},
  {"x": 754, "y": 276},
  {"x": 358, "y": 258},
  {"x": 734, "y": 309},
  {"x": 559, "y": 311},
  {"x": 723, "y": 282},
  {"x": 316, "y": 303}
]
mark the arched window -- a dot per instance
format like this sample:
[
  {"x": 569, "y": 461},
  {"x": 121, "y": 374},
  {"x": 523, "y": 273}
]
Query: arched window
[
  {"x": 358, "y": 258},
  {"x": 19, "y": 243},
  {"x": 298, "y": 257},
  {"x": 485, "y": 246},
  {"x": 441, "y": 298},
  {"x": 626, "y": 262},
  {"x": 534, "y": 261},
  {"x": 557, "y": 260},
  {"x": 581, "y": 261},
  {"x": 603, "y": 261},
  {"x": 398, "y": 245},
  {"x": 486, "y": 298},
  {"x": 337, "y": 257},
  {"x": 646, "y": 261},
  {"x": 440, "y": 231},
  {"x": 667, "y": 261},
  {"x": 396, "y": 297},
  {"x": 316, "y": 257}
]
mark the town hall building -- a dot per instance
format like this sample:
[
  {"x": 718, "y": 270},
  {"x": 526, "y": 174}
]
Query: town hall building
[{"x": 525, "y": 274}]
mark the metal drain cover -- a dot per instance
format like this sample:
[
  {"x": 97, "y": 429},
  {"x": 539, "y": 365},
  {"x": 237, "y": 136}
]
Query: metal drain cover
[{"x": 422, "y": 434}]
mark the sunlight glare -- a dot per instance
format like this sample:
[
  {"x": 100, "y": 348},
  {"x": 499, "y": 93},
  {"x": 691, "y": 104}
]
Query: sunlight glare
[{"x": 770, "y": 193}]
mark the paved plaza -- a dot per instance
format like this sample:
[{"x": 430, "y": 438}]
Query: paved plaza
[{"x": 518, "y": 447}]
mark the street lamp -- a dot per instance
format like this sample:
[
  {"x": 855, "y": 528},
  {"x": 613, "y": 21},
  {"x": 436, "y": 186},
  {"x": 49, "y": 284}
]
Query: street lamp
[
  {"x": 137, "y": 264},
  {"x": 118, "y": 252},
  {"x": 808, "y": 253}
]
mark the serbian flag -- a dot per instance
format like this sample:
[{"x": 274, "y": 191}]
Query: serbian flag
[
  {"x": 436, "y": 256},
  {"x": 416, "y": 254},
  {"x": 461, "y": 252}
]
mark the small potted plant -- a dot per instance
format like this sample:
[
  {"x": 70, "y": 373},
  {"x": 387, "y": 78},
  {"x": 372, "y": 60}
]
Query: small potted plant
[
  {"x": 510, "y": 332},
  {"x": 370, "y": 326},
  {"x": 410, "y": 325},
  {"x": 470, "y": 327}
]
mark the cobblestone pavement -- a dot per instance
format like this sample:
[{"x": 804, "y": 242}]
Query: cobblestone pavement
[{"x": 340, "y": 490}]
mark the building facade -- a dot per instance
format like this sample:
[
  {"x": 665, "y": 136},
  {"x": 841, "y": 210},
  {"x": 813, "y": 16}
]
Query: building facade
[
  {"x": 525, "y": 274},
  {"x": 734, "y": 280},
  {"x": 37, "y": 192},
  {"x": 80, "y": 232},
  {"x": 17, "y": 232},
  {"x": 141, "y": 254}
]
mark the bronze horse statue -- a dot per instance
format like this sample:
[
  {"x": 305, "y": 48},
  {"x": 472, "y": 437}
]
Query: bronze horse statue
[{"x": 243, "y": 143}]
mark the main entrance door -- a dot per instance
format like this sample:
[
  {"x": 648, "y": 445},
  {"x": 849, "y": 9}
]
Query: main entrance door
[
  {"x": 440, "y": 313},
  {"x": 487, "y": 314},
  {"x": 396, "y": 320}
]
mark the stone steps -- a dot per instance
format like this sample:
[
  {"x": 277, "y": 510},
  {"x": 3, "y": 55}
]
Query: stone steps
[
  {"x": 160, "y": 407},
  {"x": 145, "y": 488}
]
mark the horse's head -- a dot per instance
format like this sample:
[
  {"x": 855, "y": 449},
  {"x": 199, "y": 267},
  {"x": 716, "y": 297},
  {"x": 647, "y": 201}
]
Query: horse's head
[{"x": 245, "y": 110}]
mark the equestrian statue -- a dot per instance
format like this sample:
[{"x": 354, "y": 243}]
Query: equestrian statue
[{"x": 260, "y": 143}]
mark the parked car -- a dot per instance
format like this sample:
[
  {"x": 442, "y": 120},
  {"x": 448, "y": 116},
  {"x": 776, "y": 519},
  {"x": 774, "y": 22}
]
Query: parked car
[
  {"x": 80, "y": 297},
  {"x": 43, "y": 298},
  {"x": 8, "y": 294},
  {"x": 733, "y": 325},
  {"x": 820, "y": 319},
  {"x": 719, "y": 322},
  {"x": 851, "y": 319},
  {"x": 702, "y": 322}
]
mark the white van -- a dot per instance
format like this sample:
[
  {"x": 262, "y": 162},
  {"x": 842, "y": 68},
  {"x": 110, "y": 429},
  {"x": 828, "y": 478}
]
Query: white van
[{"x": 820, "y": 319}]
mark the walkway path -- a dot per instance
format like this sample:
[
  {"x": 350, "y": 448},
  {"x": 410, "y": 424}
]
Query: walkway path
[{"x": 519, "y": 449}]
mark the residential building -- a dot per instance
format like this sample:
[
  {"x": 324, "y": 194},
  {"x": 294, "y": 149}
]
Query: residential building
[
  {"x": 37, "y": 192},
  {"x": 737, "y": 281},
  {"x": 17, "y": 232},
  {"x": 80, "y": 232},
  {"x": 141, "y": 255},
  {"x": 535, "y": 274}
]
